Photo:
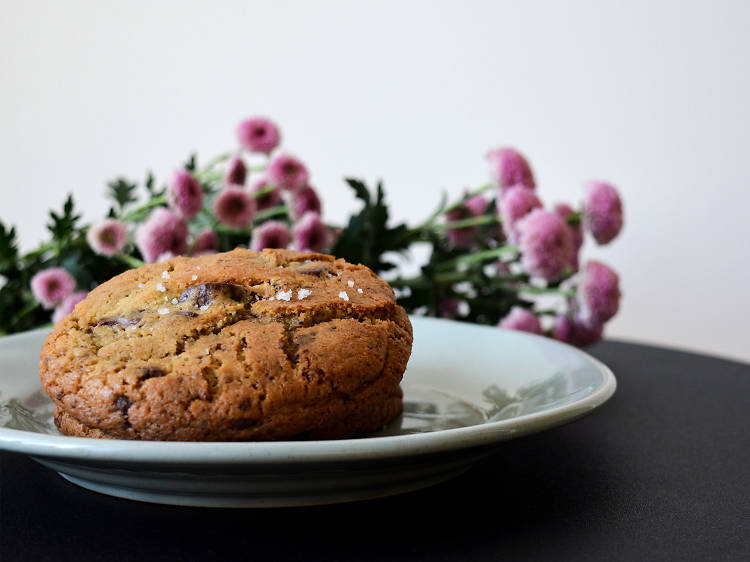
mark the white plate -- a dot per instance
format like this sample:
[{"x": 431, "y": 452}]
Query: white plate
[{"x": 466, "y": 389}]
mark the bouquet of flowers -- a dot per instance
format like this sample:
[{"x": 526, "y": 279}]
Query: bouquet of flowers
[{"x": 496, "y": 255}]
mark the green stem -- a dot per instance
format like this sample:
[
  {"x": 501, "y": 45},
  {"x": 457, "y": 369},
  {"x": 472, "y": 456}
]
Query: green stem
[
  {"x": 272, "y": 212},
  {"x": 465, "y": 223},
  {"x": 223, "y": 157},
  {"x": 442, "y": 210},
  {"x": 46, "y": 247},
  {"x": 538, "y": 290},
  {"x": 457, "y": 204},
  {"x": 135, "y": 213},
  {"x": 130, "y": 261},
  {"x": 478, "y": 257}
]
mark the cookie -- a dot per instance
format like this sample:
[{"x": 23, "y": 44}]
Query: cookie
[{"x": 237, "y": 346}]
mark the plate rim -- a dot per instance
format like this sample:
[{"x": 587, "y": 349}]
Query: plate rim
[{"x": 317, "y": 451}]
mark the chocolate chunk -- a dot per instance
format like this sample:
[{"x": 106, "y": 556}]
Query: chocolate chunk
[
  {"x": 205, "y": 293},
  {"x": 123, "y": 321},
  {"x": 149, "y": 372},
  {"x": 123, "y": 404}
]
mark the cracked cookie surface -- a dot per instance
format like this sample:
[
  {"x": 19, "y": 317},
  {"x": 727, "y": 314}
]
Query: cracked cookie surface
[{"x": 230, "y": 347}]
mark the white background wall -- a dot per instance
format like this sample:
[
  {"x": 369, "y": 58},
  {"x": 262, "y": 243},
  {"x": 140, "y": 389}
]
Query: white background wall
[{"x": 653, "y": 96}]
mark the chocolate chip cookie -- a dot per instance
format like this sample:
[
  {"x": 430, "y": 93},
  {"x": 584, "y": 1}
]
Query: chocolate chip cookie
[{"x": 236, "y": 346}]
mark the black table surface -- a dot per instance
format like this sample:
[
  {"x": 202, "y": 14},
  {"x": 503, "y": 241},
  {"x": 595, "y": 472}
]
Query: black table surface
[{"x": 661, "y": 471}]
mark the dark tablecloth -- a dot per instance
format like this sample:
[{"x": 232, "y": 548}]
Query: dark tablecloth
[{"x": 662, "y": 471}]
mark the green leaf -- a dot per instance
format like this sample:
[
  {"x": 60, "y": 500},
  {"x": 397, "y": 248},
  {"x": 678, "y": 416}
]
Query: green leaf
[
  {"x": 367, "y": 236},
  {"x": 8, "y": 249},
  {"x": 63, "y": 226},
  {"x": 192, "y": 163},
  {"x": 122, "y": 191}
]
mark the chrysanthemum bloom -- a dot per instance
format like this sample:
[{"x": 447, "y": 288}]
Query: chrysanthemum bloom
[
  {"x": 305, "y": 200},
  {"x": 602, "y": 211},
  {"x": 205, "y": 242},
  {"x": 269, "y": 199},
  {"x": 310, "y": 233},
  {"x": 234, "y": 207},
  {"x": 287, "y": 172},
  {"x": 573, "y": 331},
  {"x": 564, "y": 211},
  {"x": 108, "y": 237},
  {"x": 185, "y": 194},
  {"x": 51, "y": 286},
  {"x": 522, "y": 320},
  {"x": 258, "y": 134},
  {"x": 270, "y": 234},
  {"x": 598, "y": 294},
  {"x": 508, "y": 168},
  {"x": 515, "y": 204},
  {"x": 67, "y": 305},
  {"x": 546, "y": 244},
  {"x": 472, "y": 207},
  {"x": 235, "y": 172},
  {"x": 164, "y": 231}
]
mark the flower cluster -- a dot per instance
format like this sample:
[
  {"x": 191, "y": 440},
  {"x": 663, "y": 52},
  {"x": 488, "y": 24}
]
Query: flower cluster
[{"x": 498, "y": 255}]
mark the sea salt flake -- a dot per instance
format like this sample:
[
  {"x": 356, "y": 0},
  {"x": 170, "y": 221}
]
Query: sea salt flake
[
  {"x": 165, "y": 274},
  {"x": 360, "y": 291},
  {"x": 161, "y": 287},
  {"x": 141, "y": 285},
  {"x": 174, "y": 301},
  {"x": 204, "y": 307},
  {"x": 194, "y": 278},
  {"x": 303, "y": 293},
  {"x": 284, "y": 295},
  {"x": 343, "y": 295},
  {"x": 163, "y": 311},
  {"x": 350, "y": 283}
]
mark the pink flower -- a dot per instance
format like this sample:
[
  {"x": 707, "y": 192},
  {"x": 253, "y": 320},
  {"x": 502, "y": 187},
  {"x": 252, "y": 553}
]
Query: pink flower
[
  {"x": 287, "y": 172},
  {"x": 107, "y": 237},
  {"x": 51, "y": 286},
  {"x": 235, "y": 171},
  {"x": 522, "y": 320},
  {"x": 258, "y": 134},
  {"x": 564, "y": 211},
  {"x": 67, "y": 305},
  {"x": 268, "y": 200},
  {"x": 573, "y": 331},
  {"x": 508, "y": 167},
  {"x": 546, "y": 244},
  {"x": 185, "y": 194},
  {"x": 310, "y": 233},
  {"x": 270, "y": 234},
  {"x": 598, "y": 294},
  {"x": 472, "y": 207},
  {"x": 602, "y": 211},
  {"x": 164, "y": 231},
  {"x": 515, "y": 204},
  {"x": 205, "y": 242},
  {"x": 305, "y": 200},
  {"x": 234, "y": 207}
]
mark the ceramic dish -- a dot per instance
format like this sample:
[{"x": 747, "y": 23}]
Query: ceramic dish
[{"x": 467, "y": 388}]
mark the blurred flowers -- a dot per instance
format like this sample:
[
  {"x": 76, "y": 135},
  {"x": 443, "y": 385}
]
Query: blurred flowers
[
  {"x": 108, "y": 237},
  {"x": 163, "y": 232},
  {"x": 51, "y": 286},
  {"x": 258, "y": 134},
  {"x": 496, "y": 255},
  {"x": 185, "y": 194}
]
